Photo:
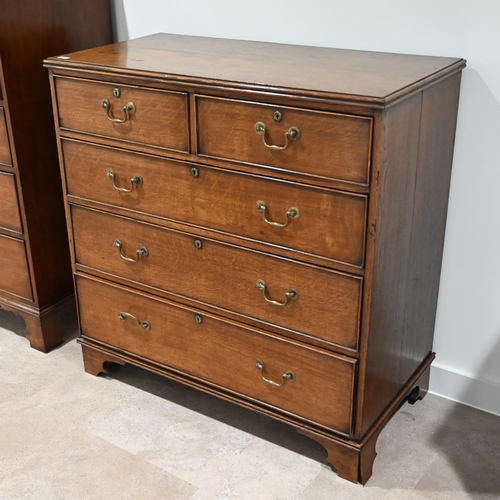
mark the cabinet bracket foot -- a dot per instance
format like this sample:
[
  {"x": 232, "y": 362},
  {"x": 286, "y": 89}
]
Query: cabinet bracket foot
[{"x": 94, "y": 361}]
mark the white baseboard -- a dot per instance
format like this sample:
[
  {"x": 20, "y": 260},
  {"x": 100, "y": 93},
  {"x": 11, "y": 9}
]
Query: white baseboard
[{"x": 481, "y": 394}]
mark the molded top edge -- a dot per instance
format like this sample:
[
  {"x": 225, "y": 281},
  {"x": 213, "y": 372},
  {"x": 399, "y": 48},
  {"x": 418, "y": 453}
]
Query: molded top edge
[{"x": 376, "y": 77}]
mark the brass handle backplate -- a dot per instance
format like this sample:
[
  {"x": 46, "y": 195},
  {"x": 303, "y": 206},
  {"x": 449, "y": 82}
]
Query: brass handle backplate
[
  {"x": 292, "y": 133},
  {"x": 292, "y": 294},
  {"x": 288, "y": 375},
  {"x": 292, "y": 213},
  {"x": 142, "y": 252},
  {"x": 122, "y": 316},
  {"x": 128, "y": 111},
  {"x": 135, "y": 181}
]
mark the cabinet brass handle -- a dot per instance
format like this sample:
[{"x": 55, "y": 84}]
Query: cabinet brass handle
[
  {"x": 122, "y": 316},
  {"x": 135, "y": 181},
  {"x": 142, "y": 252},
  {"x": 292, "y": 133},
  {"x": 292, "y": 294},
  {"x": 292, "y": 213},
  {"x": 288, "y": 375},
  {"x": 128, "y": 111}
]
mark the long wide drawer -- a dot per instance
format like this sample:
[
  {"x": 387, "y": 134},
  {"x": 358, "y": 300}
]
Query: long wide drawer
[
  {"x": 10, "y": 217},
  {"x": 158, "y": 118},
  {"x": 5, "y": 158},
  {"x": 326, "y": 223},
  {"x": 320, "y": 303},
  {"x": 326, "y": 145},
  {"x": 221, "y": 353},
  {"x": 14, "y": 274}
]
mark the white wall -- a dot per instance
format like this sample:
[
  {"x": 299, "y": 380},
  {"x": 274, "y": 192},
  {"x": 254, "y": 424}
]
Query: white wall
[{"x": 467, "y": 338}]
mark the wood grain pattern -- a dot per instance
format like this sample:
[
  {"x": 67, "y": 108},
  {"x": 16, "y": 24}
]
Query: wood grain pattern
[
  {"x": 5, "y": 158},
  {"x": 415, "y": 164},
  {"x": 222, "y": 353},
  {"x": 330, "y": 145},
  {"x": 14, "y": 278},
  {"x": 160, "y": 118},
  {"x": 226, "y": 275},
  {"x": 435, "y": 155},
  {"x": 376, "y": 130},
  {"x": 331, "y": 223},
  {"x": 9, "y": 207},
  {"x": 398, "y": 163},
  {"x": 353, "y": 75}
]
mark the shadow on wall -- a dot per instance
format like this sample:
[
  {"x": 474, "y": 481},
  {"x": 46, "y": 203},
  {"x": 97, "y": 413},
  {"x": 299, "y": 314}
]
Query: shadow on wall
[
  {"x": 467, "y": 441},
  {"x": 120, "y": 28},
  {"x": 478, "y": 122},
  {"x": 468, "y": 445}
]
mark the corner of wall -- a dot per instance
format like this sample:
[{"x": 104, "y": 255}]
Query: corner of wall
[{"x": 477, "y": 393}]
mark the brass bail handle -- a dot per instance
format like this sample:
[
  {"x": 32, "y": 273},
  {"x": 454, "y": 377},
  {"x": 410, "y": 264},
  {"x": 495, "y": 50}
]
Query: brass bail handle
[
  {"x": 135, "y": 181},
  {"x": 292, "y": 133},
  {"x": 122, "y": 316},
  {"x": 292, "y": 213},
  {"x": 128, "y": 111},
  {"x": 292, "y": 294},
  {"x": 142, "y": 252},
  {"x": 288, "y": 375}
]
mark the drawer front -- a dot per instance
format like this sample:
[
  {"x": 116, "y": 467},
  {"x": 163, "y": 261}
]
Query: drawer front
[
  {"x": 330, "y": 145},
  {"x": 330, "y": 223},
  {"x": 9, "y": 207},
  {"x": 223, "y": 275},
  {"x": 160, "y": 118},
  {"x": 221, "y": 353},
  {"x": 5, "y": 158},
  {"x": 14, "y": 275}
]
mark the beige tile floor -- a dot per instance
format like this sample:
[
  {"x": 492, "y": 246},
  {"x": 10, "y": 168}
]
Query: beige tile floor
[{"x": 66, "y": 435}]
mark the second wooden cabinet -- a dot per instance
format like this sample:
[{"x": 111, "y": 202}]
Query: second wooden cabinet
[{"x": 35, "y": 266}]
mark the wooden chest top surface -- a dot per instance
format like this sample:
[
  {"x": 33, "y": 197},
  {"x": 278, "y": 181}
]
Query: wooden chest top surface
[{"x": 372, "y": 76}]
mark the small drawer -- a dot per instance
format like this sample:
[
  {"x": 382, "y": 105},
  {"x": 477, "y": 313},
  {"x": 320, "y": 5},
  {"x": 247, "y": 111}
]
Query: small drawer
[
  {"x": 5, "y": 158},
  {"x": 14, "y": 275},
  {"x": 10, "y": 217},
  {"x": 320, "y": 303},
  {"x": 156, "y": 118},
  {"x": 315, "y": 143},
  {"x": 320, "y": 222},
  {"x": 222, "y": 353}
]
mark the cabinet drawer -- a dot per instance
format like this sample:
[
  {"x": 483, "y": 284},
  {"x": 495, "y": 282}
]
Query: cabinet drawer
[
  {"x": 9, "y": 207},
  {"x": 5, "y": 158},
  {"x": 160, "y": 118},
  {"x": 330, "y": 145},
  {"x": 222, "y": 353},
  {"x": 330, "y": 223},
  {"x": 14, "y": 275},
  {"x": 222, "y": 275}
]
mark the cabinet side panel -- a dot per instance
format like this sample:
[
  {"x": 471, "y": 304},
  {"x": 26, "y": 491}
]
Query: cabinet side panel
[
  {"x": 396, "y": 187},
  {"x": 437, "y": 137},
  {"x": 416, "y": 158}
]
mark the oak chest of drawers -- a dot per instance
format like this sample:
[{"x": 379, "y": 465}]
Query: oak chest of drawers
[
  {"x": 263, "y": 222},
  {"x": 35, "y": 266}
]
